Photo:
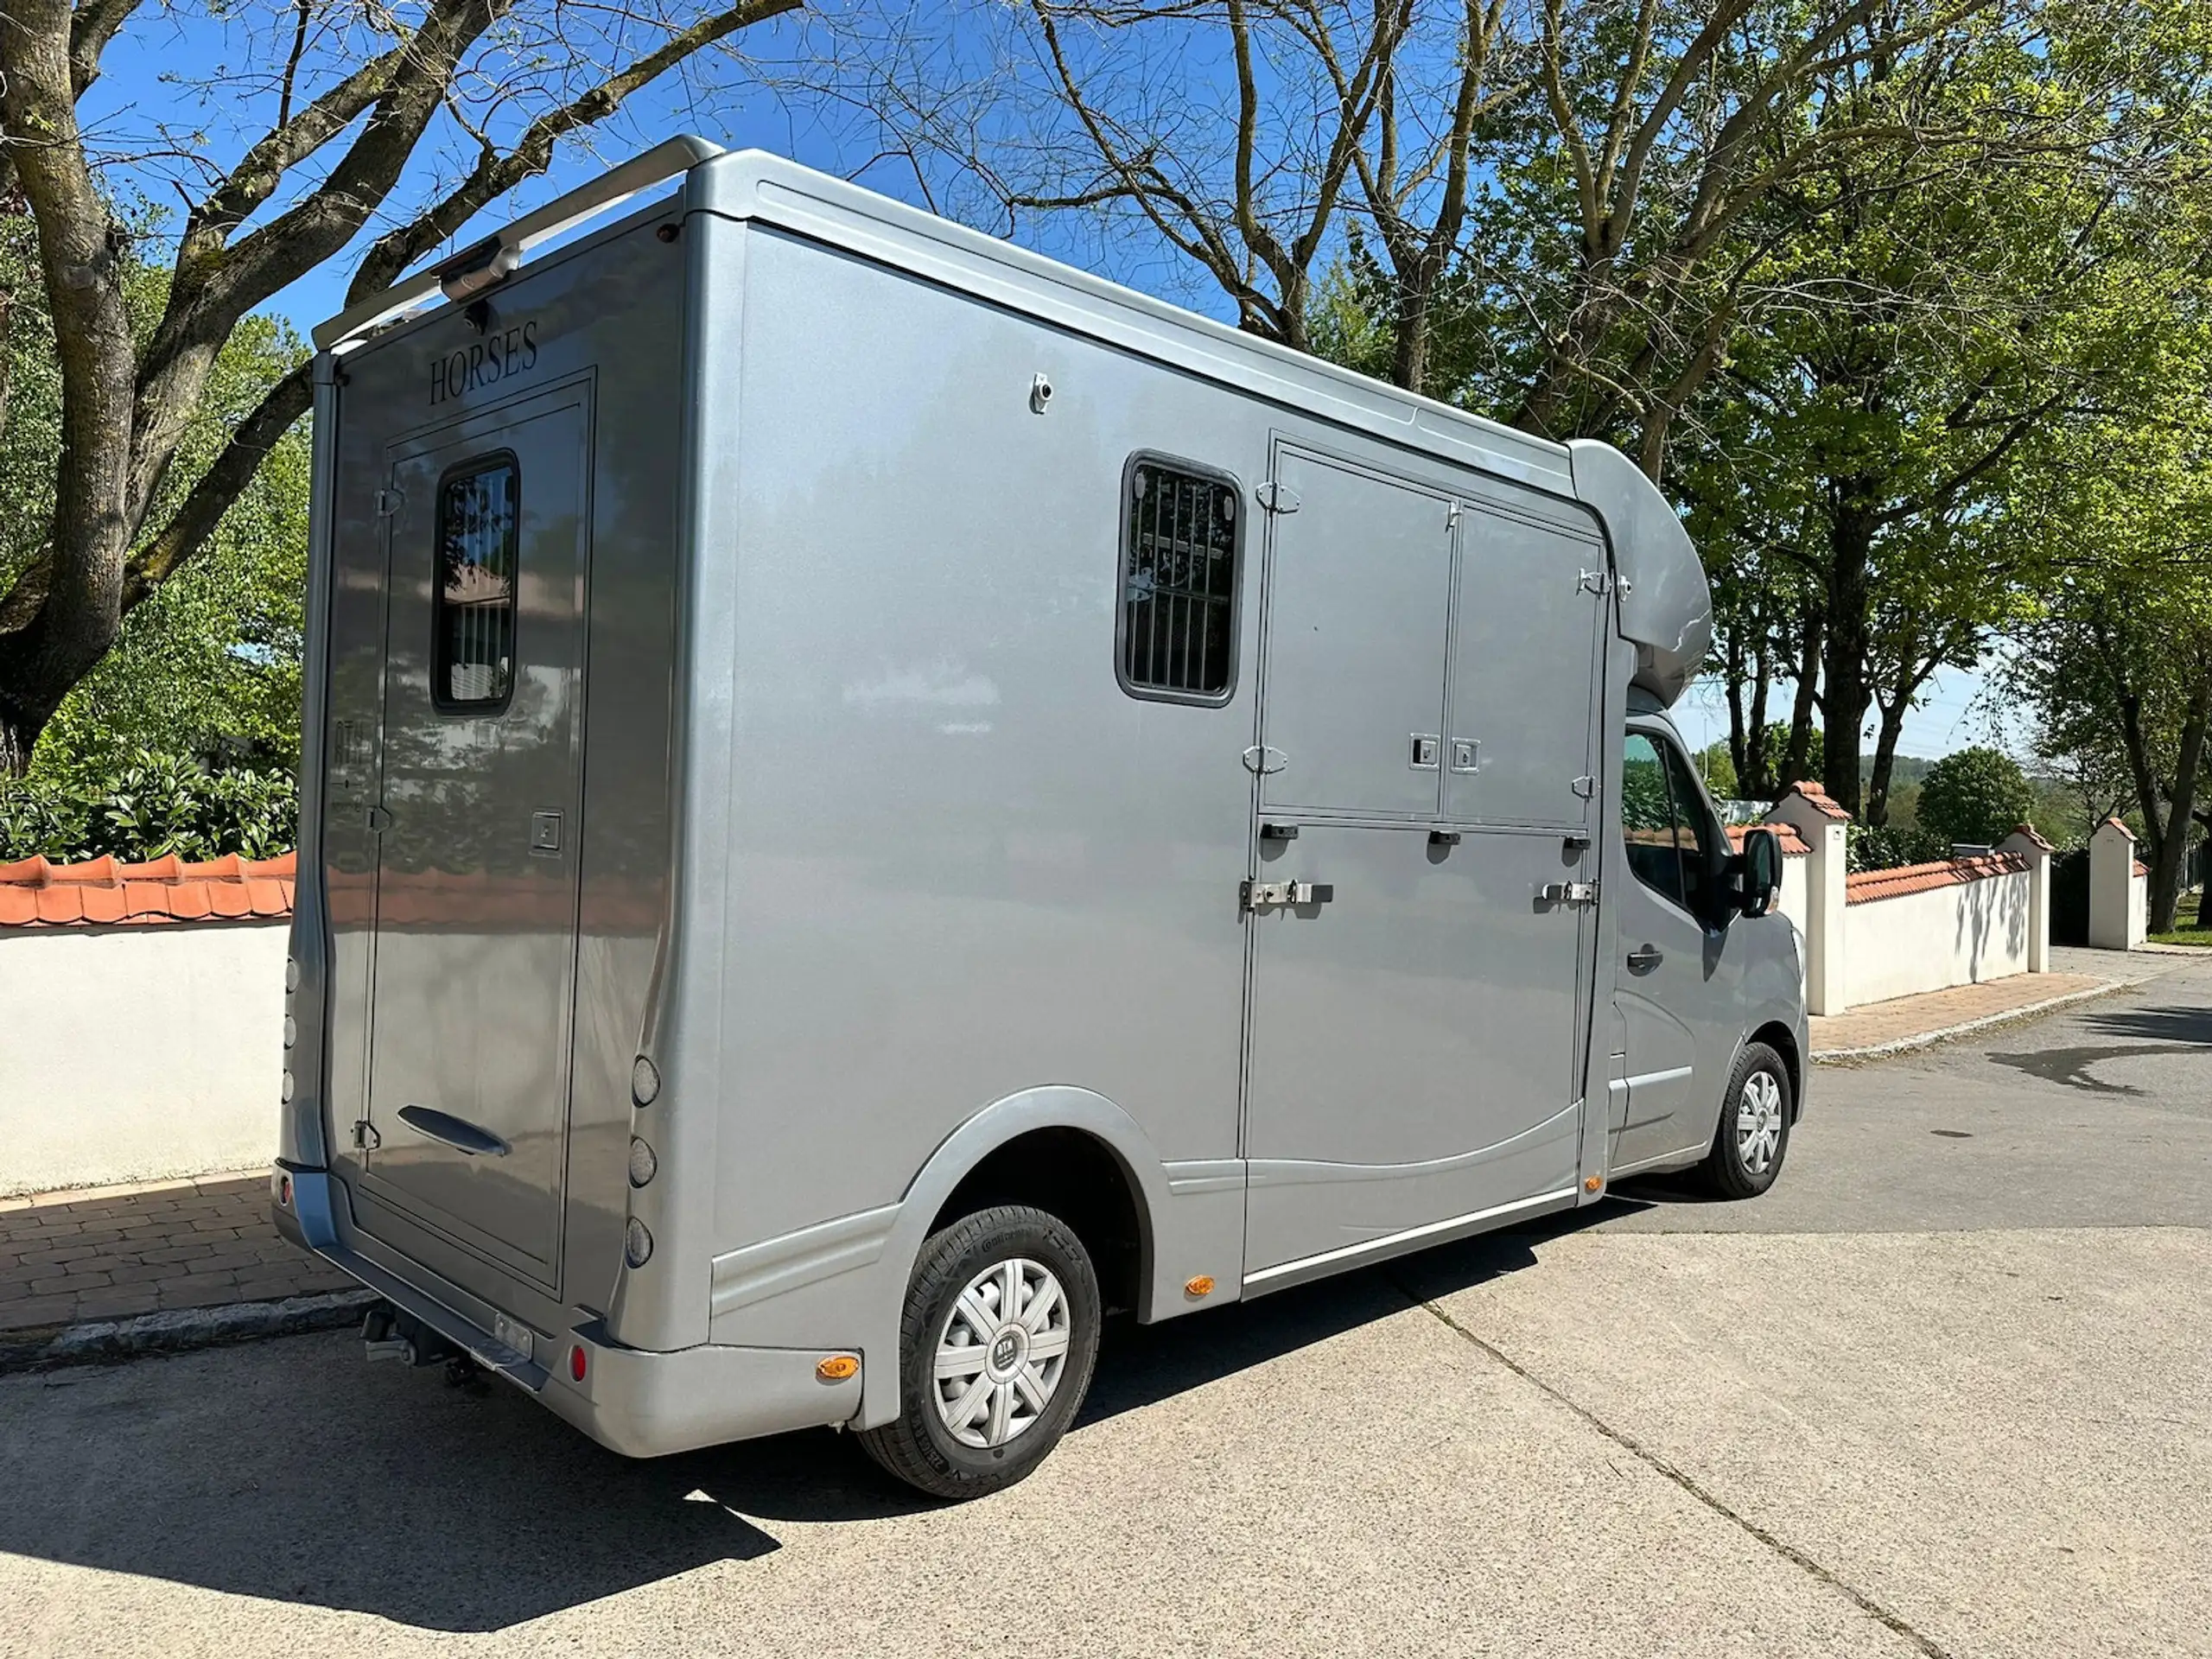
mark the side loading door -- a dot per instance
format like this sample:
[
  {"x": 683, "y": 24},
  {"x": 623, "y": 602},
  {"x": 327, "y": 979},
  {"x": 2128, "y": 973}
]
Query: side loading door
[
  {"x": 473, "y": 975},
  {"x": 1405, "y": 1049}
]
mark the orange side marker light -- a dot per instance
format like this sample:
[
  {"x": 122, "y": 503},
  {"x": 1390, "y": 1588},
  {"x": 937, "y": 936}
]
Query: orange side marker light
[{"x": 836, "y": 1368}]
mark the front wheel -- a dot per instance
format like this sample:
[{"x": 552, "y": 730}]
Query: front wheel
[
  {"x": 996, "y": 1348},
  {"x": 1753, "y": 1133}
]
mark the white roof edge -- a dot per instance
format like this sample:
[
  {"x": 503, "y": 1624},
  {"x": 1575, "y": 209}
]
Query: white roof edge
[{"x": 753, "y": 184}]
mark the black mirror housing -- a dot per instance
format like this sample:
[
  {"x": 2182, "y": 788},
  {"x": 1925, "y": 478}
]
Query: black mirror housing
[{"x": 1758, "y": 873}]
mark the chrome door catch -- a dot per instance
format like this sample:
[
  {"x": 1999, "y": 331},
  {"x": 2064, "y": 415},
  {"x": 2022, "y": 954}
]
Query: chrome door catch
[
  {"x": 1568, "y": 892},
  {"x": 1268, "y": 895}
]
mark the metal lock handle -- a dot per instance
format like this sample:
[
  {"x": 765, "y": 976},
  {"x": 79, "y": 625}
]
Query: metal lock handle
[{"x": 1268, "y": 895}]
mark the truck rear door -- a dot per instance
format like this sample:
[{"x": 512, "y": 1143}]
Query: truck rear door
[{"x": 474, "y": 956}]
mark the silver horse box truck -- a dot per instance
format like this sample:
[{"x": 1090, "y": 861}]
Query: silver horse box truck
[{"x": 871, "y": 799}]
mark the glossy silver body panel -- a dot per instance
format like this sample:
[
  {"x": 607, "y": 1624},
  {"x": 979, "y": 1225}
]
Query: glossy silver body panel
[{"x": 876, "y": 862}]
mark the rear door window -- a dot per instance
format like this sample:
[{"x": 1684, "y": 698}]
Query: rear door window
[{"x": 473, "y": 616}]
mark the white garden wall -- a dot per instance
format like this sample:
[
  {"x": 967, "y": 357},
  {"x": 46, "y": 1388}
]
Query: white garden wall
[
  {"x": 139, "y": 1052},
  {"x": 1960, "y": 934}
]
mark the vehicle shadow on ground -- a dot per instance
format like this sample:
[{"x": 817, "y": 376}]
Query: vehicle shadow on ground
[{"x": 288, "y": 1471}]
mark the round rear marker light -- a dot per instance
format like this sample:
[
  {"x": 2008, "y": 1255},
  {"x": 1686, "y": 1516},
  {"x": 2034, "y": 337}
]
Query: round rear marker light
[
  {"x": 643, "y": 1164},
  {"x": 291, "y": 974},
  {"x": 291, "y": 1031},
  {"x": 645, "y": 1082},
  {"x": 284, "y": 1191},
  {"x": 576, "y": 1363},
  {"x": 284, "y": 1088},
  {"x": 637, "y": 1244}
]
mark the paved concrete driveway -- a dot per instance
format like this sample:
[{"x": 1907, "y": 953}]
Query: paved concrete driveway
[{"x": 1935, "y": 1396}]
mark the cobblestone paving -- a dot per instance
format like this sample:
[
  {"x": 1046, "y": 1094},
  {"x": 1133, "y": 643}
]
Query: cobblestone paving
[
  {"x": 112, "y": 1252},
  {"x": 1904, "y": 1018}
]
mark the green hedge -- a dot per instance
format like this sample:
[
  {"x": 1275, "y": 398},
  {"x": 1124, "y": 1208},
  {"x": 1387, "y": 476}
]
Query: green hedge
[
  {"x": 1892, "y": 847},
  {"x": 147, "y": 806}
]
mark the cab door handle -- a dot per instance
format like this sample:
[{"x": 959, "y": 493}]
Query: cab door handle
[{"x": 1644, "y": 958}]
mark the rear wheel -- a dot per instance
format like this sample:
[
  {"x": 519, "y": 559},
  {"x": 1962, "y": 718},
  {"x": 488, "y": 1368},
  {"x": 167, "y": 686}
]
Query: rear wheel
[
  {"x": 996, "y": 1349},
  {"x": 1753, "y": 1133}
]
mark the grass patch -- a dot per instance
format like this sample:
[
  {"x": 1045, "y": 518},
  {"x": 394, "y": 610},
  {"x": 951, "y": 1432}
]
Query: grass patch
[{"x": 2189, "y": 932}]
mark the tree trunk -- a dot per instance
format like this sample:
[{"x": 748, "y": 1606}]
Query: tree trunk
[
  {"x": 1885, "y": 755},
  {"x": 2204, "y": 893},
  {"x": 1409, "y": 361},
  {"x": 1845, "y": 696},
  {"x": 2171, "y": 860},
  {"x": 1799, "y": 751},
  {"x": 79, "y": 248}
]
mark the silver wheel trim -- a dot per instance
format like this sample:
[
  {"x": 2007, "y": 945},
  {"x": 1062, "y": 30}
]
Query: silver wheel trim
[
  {"x": 1758, "y": 1123},
  {"x": 1001, "y": 1353}
]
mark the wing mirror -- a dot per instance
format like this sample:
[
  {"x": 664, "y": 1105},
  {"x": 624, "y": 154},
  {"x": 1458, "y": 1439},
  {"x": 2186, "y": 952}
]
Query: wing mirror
[{"x": 1758, "y": 872}]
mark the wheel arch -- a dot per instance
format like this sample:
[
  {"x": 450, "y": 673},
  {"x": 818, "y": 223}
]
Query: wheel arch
[
  {"x": 984, "y": 1159},
  {"x": 1783, "y": 1042}
]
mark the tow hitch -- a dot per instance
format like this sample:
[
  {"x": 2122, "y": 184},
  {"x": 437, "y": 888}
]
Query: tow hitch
[{"x": 388, "y": 1333}]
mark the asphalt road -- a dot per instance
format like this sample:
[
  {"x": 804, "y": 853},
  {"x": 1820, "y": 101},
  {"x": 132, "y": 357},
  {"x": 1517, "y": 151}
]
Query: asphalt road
[{"x": 1943, "y": 1392}]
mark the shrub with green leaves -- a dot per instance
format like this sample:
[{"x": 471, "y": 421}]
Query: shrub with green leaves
[
  {"x": 1978, "y": 795},
  {"x": 148, "y": 806},
  {"x": 1892, "y": 847}
]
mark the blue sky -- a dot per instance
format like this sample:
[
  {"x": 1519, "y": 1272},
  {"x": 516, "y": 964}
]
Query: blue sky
[{"x": 151, "y": 92}]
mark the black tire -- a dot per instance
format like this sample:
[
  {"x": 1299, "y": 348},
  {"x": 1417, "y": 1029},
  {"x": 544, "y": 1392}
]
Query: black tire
[
  {"x": 917, "y": 1445},
  {"x": 1726, "y": 1173}
]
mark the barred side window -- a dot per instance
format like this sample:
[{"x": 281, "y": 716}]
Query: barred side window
[
  {"x": 1180, "y": 536},
  {"x": 478, "y": 517}
]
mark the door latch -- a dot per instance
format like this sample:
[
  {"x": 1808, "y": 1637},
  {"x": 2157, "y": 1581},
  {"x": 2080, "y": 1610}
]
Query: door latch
[
  {"x": 1568, "y": 892},
  {"x": 1267, "y": 895}
]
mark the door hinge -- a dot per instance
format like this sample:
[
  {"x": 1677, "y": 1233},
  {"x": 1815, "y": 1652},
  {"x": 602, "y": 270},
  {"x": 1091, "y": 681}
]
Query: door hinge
[
  {"x": 1266, "y": 896},
  {"x": 1264, "y": 760},
  {"x": 1451, "y": 517},
  {"x": 366, "y": 1138},
  {"x": 379, "y": 820},
  {"x": 389, "y": 502},
  {"x": 1568, "y": 892},
  {"x": 1584, "y": 787},
  {"x": 1595, "y": 581},
  {"x": 1275, "y": 498}
]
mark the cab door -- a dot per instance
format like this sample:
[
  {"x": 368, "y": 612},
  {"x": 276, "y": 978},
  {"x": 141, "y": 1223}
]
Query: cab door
[{"x": 1677, "y": 988}]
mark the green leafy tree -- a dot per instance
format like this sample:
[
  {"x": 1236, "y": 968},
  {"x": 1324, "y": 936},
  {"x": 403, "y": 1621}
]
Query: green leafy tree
[
  {"x": 325, "y": 121},
  {"x": 1978, "y": 795}
]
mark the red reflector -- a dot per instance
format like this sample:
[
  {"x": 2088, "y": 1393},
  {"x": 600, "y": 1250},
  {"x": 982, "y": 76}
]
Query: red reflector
[
  {"x": 284, "y": 1192},
  {"x": 576, "y": 1363}
]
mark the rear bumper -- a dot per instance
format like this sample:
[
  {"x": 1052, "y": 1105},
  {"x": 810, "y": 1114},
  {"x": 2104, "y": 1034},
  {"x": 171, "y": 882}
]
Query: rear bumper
[{"x": 632, "y": 1402}]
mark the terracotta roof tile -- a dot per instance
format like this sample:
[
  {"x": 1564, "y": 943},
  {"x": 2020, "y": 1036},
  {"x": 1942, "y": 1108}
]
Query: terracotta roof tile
[
  {"x": 2116, "y": 824},
  {"x": 2029, "y": 830},
  {"x": 1862, "y": 887},
  {"x": 1820, "y": 800},
  {"x": 1793, "y": 844},
  {"x": 2141, "y": 868},
  {"x": 35, "y": 892}
]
